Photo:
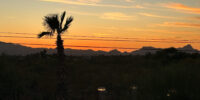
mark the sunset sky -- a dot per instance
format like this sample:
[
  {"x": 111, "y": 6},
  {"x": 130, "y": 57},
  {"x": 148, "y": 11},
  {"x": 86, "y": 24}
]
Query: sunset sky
[{"x": 104, "y": 24}]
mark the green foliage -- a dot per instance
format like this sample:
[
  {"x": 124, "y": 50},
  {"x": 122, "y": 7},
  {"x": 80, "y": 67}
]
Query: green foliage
[{"x": 166, "y": 75}]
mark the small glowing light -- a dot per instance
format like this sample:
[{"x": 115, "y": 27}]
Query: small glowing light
[
  {"x": 168, "y": 94},
  {"x": 101, "y": 89},
  {"x": 134, "y": 87}
]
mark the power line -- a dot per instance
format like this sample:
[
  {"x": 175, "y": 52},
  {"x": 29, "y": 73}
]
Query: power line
[
  {"x": 70, "y": 35},
  {"x": 177, "y": 41},
  {"x": 80, "y": 46},
  {"x": 18, "y": 33},
  {"x": 108, "y": 38},
  {"x": 17, "y": 37},
  {"x": 98, "y": 39}
]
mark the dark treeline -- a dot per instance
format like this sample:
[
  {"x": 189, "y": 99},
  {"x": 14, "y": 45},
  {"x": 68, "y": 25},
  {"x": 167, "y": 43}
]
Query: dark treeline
[{"x": 166, "y": 75}]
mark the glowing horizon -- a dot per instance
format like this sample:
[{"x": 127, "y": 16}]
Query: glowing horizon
[{"x": 105, "y": 23}]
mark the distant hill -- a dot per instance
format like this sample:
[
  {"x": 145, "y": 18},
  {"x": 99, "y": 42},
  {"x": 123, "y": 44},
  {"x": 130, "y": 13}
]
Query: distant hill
[
  {"x": 145, "y": 50},
  {"x": 16, "y": 49},
  {"x": 188, "y": 49}
]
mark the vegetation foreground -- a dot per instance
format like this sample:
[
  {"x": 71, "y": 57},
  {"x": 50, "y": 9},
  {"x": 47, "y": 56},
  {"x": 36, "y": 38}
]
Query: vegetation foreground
[{"x": 166, "y": 75}]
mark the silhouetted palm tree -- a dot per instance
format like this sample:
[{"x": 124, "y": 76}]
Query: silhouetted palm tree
[{"x": 54, "y": 24}]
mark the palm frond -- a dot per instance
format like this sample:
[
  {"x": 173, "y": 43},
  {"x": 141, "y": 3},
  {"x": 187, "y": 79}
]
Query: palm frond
[
  {"x": 67, "y": 24},
  {"x": 62, "y": 18},
  {"x": 44, "y": 33},
  {"x": 51, "y": 22}
]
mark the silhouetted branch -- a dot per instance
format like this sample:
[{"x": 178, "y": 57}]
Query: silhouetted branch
[
  {"x": 67, "y": 24},
  {"x": 45, "y": 33},
  {"x": 62, "y": 18},
  {"x": 51, "y": 22}
]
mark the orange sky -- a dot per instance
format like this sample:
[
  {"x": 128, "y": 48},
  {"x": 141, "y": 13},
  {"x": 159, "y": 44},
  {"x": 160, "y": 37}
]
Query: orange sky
[{"x": 105, "y": 24}]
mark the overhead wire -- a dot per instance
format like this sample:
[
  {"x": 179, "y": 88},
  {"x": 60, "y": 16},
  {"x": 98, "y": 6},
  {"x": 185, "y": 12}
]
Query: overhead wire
[{"x": 95, "y": 38}]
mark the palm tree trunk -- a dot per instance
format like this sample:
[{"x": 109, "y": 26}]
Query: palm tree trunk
[
  {"x": 60, "y": 48},
  {"x": 61, "y": 71}
]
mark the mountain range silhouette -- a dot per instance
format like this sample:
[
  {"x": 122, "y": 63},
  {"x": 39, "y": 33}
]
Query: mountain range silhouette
[{"x": 17, "y": 49}]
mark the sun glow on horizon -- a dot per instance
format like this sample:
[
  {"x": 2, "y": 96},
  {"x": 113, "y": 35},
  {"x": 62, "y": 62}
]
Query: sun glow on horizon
[{"x": 125, "y": 25}]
